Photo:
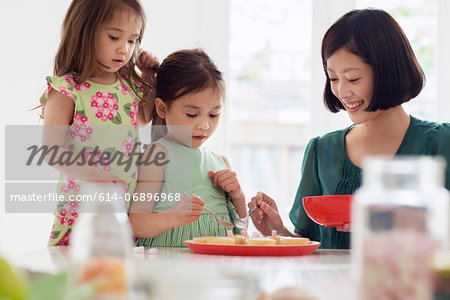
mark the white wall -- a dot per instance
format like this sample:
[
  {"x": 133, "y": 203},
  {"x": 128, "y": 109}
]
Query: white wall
[
  {"x": 177, "y": 24},
  {"x": 30, "y": 36}
]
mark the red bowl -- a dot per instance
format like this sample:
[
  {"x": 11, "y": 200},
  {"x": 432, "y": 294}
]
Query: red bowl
[{"x": 329, "y": 211}]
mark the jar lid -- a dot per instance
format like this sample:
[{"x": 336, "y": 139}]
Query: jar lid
[{"x": 404, "y": 172}]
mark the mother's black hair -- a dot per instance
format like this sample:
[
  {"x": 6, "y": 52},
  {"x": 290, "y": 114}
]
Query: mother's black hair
[{"x": 378, "y": 39}]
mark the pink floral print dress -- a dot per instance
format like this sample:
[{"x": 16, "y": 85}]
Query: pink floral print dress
[{"x": 99, "y": 110}]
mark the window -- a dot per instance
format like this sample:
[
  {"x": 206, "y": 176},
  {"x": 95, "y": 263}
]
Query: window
[
  {"x": 418, "y": 19},
  {"x": 269, "y": 92}
]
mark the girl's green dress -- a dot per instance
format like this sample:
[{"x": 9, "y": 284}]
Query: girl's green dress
[
  {"x": 327, "y": 170},
  {"x": 94, "y": 130},
  {"x": 187, "y": 172}
]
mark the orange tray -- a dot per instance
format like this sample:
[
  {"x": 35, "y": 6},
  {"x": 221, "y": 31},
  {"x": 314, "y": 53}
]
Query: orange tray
[{"x": 252, "y": 250}]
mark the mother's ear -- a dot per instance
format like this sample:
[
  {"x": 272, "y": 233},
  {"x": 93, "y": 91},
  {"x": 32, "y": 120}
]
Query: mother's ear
[{"x": 161, "y": 108}]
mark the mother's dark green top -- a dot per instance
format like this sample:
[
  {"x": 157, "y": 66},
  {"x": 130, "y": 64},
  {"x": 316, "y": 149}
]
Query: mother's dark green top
[{"x": 327, "y": 170}]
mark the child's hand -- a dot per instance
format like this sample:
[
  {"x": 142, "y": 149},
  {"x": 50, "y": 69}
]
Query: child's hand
[
  {"x": 148, "y": 64},
  {"x": 227, "y": 181},
  {"x": 187, "y": 210}
]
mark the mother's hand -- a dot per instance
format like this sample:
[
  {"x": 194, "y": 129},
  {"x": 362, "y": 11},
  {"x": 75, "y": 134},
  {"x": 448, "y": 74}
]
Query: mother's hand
[
  {"x": 266, "y": 217},
  {"x": 347, "y": 227}
]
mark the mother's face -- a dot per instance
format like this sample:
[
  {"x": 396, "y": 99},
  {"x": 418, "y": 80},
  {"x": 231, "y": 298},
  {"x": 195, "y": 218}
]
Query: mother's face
[{"x": 352, "y": 82}]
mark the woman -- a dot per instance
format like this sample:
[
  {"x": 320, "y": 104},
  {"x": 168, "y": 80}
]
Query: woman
[{"x": 371, "y": 71}]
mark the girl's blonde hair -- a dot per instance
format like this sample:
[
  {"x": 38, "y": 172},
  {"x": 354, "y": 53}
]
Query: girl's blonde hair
[
  {"x": 76, "y": 52},
  {"x": 181, "y": 73}
]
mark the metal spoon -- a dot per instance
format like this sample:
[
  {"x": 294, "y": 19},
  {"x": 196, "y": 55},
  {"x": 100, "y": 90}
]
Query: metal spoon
[
  {"x": 220, "y": 221},
  {"x": 242, "y": 223}
]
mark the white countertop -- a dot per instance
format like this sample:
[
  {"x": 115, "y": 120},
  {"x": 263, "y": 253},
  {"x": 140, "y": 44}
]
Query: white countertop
[{"x": 326, "y": 273}]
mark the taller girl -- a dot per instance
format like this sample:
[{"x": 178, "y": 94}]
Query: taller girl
[{"x": 96, "y": 83}]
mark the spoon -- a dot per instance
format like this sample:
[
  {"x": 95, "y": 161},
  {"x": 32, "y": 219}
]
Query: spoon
[
  {"x": 242, "y": 223},
  {"x": 220, "y": 221}
]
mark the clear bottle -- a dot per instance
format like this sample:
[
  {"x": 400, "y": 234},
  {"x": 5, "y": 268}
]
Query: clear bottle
[
  {"x": 400, "y": 220},
  {"x": 101, "y": 245}
]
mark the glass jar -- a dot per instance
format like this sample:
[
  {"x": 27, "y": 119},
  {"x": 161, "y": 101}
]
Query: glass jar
[
  {"x": 400, "y": 217},
  {"x": 101, "y": 245}
]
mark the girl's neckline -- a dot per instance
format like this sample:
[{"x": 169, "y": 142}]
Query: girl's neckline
[
  {"x": 168, "y": 139},
  {"x": 102, "y": 84},
  {"x": 412, "y": 120}
]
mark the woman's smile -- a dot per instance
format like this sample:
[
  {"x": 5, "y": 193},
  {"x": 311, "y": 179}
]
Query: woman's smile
[{"x": 353, "y": 106}]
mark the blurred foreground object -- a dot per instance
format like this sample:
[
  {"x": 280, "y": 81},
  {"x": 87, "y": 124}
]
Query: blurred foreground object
[
  {"x": 12, "y": 283},
  {"x": 441, "y": 272},
  {"x": 102, "y": 244},
  {"x": 400, "y": 220}
]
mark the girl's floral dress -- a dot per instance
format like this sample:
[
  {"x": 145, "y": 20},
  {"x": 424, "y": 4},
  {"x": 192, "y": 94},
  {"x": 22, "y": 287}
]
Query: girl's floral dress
[{"x": 104, "y": 120}]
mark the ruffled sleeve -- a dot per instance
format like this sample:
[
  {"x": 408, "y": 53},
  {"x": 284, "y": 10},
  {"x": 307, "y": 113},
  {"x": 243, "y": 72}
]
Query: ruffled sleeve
[
  {"x": 309, "y": 186},
  {"x": 66, "y": 85},
  {"x": 439, "y": 144}
]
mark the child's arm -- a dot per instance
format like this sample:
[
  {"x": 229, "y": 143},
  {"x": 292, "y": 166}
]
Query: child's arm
[
  {"x": 148, "y": 64},
  {"x": 227, "y": 180},
  {"x": 58, "y": 114},
  {"x": 146, "y": 224}
]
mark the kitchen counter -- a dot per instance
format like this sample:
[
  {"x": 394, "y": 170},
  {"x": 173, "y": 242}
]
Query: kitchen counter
[{"x": 326, "y": 274}]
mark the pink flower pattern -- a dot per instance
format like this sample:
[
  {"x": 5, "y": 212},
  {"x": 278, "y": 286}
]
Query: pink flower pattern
[
  {"x": 65, "y": 91},
  {"x": 65, "y": 239},
  {"x": 127, "y": 146},
  {"x": 134, "y": 114},
  {"x": 124, "y": 89},
  {"x": 70, "y": 186},
  {"x": 104, "y": 106},
  {"x": 68, "y": 214},
  {"x": 81, "y": 129},
  {"x": 79, "y": 87},
  {"x": 92, "y": 156}
]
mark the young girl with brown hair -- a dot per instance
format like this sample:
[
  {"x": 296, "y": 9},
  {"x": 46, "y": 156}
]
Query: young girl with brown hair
[
  {"x": 95, "y": 83},
  {"x": 171, "y": 196}
]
